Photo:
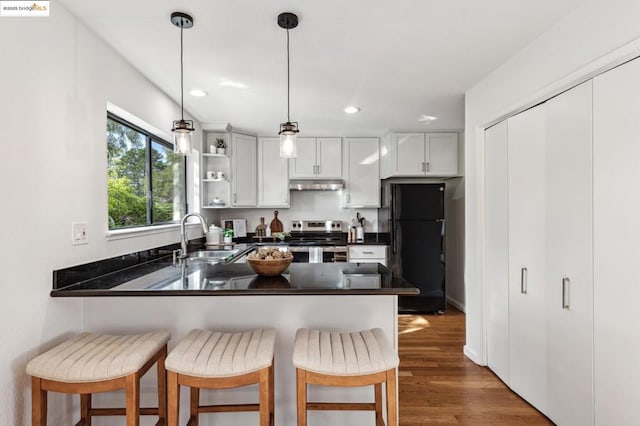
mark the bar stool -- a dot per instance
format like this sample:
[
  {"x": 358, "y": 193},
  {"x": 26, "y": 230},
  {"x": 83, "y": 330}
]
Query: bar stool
[
  {"x": 329, "y": 358},
  {"x": 91, "y": 363},
  {"x": 214, "y": 360}
]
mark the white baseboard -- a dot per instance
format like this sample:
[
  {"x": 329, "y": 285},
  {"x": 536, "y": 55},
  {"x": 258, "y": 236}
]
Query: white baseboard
[
  {"x": 472, "y": 355},
  {"x": 455, "y": 304}
]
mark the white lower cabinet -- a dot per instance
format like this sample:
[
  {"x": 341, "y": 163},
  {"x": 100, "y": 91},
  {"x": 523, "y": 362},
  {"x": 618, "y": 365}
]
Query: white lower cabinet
[
  {"x": 367, "y": 254},
  {"x": 526, "y": 224},
  {"x": 616, "y": 225},
  {"x": 569, "y": 258}
]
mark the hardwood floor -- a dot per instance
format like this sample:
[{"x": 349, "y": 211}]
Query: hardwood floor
[{"x": 439, "y": 385}]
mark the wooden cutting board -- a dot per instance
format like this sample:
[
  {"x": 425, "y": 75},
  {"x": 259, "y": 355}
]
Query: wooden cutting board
[{"x": 276, "y": 225}]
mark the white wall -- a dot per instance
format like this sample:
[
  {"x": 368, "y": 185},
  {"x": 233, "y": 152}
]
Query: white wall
[
  {"x": 55, "y": 81},
  {"x": 581, "y": 43},
  {"x": 305, "y": 205}
]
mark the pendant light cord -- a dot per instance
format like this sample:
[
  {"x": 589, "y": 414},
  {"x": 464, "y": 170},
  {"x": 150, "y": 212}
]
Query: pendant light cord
[
  {"x": 288, "y": 81},
  {"x": 181, "y": 75}
]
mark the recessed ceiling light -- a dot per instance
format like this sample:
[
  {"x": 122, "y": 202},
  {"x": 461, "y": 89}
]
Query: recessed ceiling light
[
  {"x": 427, "y": 118},
  {"x": 352, "y": 109},
  {"x": 198, "y": 93},
  {"x": 234, "y": 84}
]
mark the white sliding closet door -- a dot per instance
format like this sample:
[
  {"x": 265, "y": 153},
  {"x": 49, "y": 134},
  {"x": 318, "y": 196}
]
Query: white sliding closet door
[
  {"x": 616, "y": 199},
  {"x": 527, "y": 244},
  {"x": 497, "y": 249},
  {"x": 569, "y": 257}
]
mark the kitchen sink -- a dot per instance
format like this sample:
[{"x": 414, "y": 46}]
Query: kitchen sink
[{"x": 216, "y": 256}]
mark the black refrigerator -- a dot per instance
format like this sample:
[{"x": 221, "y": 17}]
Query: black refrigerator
[{"x": 413, "y": 215}]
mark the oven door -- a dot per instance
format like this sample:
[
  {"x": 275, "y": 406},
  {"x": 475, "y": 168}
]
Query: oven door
[{"x": 318, "y": 254}]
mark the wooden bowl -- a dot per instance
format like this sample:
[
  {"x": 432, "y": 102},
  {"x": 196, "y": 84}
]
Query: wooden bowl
[{"x": 269, "y": 268}]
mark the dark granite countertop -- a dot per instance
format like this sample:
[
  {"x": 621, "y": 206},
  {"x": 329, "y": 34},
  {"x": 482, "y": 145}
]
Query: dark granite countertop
[{"x": 159, "y": 277}]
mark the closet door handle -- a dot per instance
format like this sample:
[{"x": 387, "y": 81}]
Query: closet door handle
[
  {"x": 523, "y": 281},
  {"x": 565, "y": 292}
]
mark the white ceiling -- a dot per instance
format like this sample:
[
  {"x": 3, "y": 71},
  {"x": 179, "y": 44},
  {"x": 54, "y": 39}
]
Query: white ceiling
[{"x": 397, "y": 59}]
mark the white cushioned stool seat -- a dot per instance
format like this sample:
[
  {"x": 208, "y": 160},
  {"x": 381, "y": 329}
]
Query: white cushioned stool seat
[
  {"x": 343, "y": 354},
  {"x": 206, "y": 353},
  {"x": 90, "y": 357}
]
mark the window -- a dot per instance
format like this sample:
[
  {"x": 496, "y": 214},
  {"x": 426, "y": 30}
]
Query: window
[{"x": 146, "y": 179}]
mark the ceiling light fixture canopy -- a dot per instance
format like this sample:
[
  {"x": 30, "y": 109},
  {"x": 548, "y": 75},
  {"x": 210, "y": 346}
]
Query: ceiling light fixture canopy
[
  {"x": 182, "y": 128},
  {"x": 289, "y": 130}
]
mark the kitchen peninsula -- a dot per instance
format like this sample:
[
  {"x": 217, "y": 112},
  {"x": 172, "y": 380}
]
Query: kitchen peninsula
[{"x": 155, "y": 294}]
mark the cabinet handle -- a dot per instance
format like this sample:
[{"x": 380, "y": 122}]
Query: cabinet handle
[
  {"x": 426, "y": 166},
  {"x": 235, "y": 197},
  {"x": 348, "y": 198},
  {"x": 348, "y": 283},
  {"x": 423, "y": 166},
  {"x": 565, "y": 292},
  {"x": 367, "y": 252},
  {"x": 523, "y": 281},
  {"x": 318, "y": 169}
]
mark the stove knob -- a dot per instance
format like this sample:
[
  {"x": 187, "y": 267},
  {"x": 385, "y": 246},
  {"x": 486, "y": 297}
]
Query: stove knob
[
  {"x": 333, "y": 225},
  {"x": 338, "y": 225}
]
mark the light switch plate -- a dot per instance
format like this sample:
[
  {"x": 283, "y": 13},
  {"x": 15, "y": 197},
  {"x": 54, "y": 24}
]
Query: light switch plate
[{"x": 79, "y": 233}]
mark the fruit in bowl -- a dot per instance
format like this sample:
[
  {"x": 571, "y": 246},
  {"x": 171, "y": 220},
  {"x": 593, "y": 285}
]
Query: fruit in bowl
[{"x": 269, "y": 261}]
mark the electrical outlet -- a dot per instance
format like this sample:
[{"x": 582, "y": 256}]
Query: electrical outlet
[{"x": 79, "y": 233}]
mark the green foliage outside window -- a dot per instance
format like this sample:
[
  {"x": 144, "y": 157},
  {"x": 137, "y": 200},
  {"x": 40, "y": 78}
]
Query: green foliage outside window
[{"x": 145, "y": 178}]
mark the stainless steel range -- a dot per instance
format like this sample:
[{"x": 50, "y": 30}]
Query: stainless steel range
[{"x": 318, "y": 241}]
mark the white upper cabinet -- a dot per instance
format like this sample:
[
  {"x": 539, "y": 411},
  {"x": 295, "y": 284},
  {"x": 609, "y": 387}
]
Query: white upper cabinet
[
  {"x": 361, "y": 172},
  {"x": 442, "y": 158},
  {"x": 410, "y": 153},
  {"x": 527, "y": 244},
  {"x": 317, "y": 158},
  {"x": 273, "y": 174},
  {"x": 244, "y": 191},
  {"x": 616, "y": 226},
  {"x": 420, "y": 154}
]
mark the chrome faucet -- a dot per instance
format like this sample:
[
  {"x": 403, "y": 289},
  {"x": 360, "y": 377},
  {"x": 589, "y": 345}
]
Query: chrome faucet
[{"x": 183, "y": 232}]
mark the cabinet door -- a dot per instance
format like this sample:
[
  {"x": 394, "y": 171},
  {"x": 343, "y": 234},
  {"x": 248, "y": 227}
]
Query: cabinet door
[
  {"x": 304, "y": 164},
  {"x": 442, "y": 154},
  {"x": 497, "y": 250},
  {"x": 569, "y": 258},
  {"x": 329, "y": 157},
  {"x": 273, "y": 174},
  {"x": 616, "y": 201},
  {"x": 362, "y": 173},
  {"x": 527, "y": 310},
  {"x": 244, "y": 177},
  {"x": 409, "y": 154}
]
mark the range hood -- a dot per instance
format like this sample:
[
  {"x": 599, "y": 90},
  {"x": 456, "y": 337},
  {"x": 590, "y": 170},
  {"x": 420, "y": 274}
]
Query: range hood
[{"x": 316, "y": 184}]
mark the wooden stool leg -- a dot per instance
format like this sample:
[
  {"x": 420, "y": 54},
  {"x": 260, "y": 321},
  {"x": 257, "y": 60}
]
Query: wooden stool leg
[
  {"x": 132, "y": 385},
  {"x": 301, "y": 385},
  {"x": 38, "y": 403},
  {"x": 85, "y": 408},
  {"x": 272, "y": 411},
  {"x": 392, "y": 401},
  {"x": 162, "y": 387},
  {"x": 194, "y": 404},
  {"x": 377, "y": 390},
  {"x": 265, "y": 392},
  {"x": 174, "y": 399}
]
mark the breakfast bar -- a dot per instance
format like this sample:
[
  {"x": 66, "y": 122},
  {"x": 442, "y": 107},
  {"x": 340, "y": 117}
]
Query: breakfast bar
[{"x": 158, "y": 295}]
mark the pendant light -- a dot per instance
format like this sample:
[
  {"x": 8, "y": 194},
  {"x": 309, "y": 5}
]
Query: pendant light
[
  {"x": 288, "y": 130},
  {"x": 182, "y": 128}
]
